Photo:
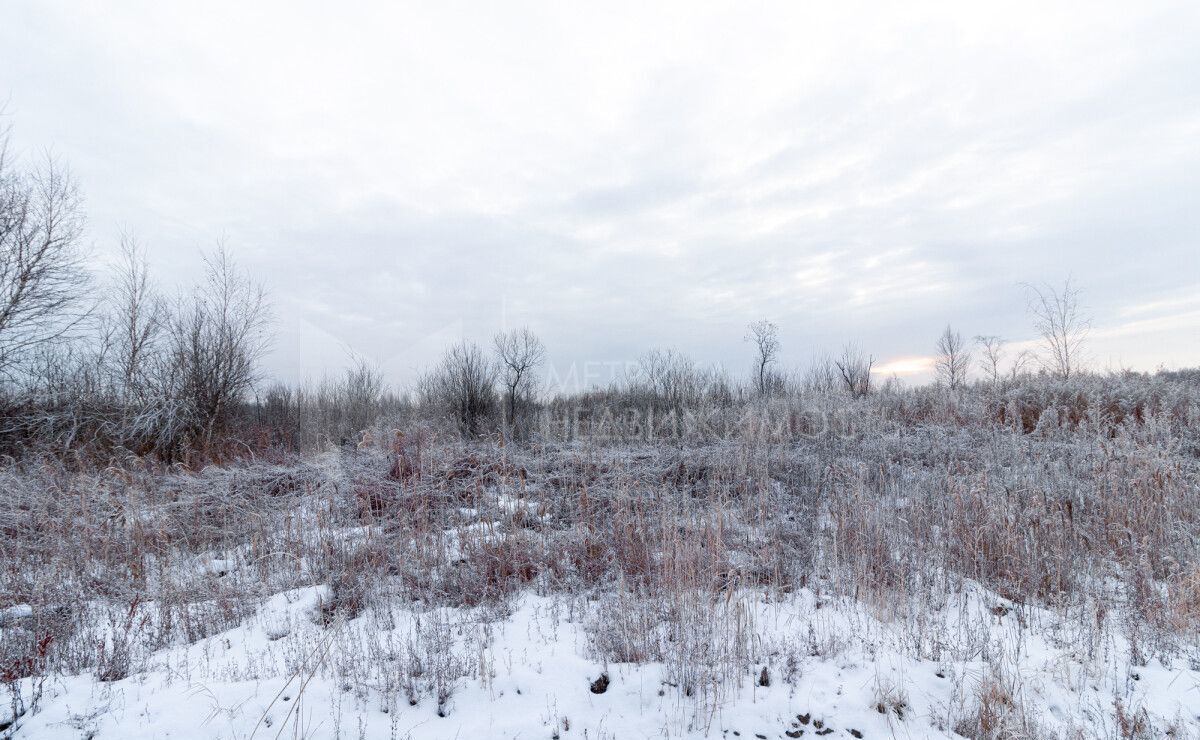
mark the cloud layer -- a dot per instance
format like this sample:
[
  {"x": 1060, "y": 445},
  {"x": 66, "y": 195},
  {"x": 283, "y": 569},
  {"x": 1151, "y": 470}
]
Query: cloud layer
[{"x": 621, "y": 177}]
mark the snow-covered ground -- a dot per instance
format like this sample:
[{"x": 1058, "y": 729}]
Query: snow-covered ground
[
  {"x": 925, "y": 576},
  {"x": 532, "y": 671}
]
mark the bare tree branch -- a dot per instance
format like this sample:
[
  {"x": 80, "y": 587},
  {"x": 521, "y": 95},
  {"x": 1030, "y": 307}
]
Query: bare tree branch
[
  {"x": 764, "y": 336},
  {"x": 991, "y": 354},
  {"x": 1058, "y": 318},
  {"x": 519, "y": 352},
  {"x": 855, "y": 370},
  {"x": 42, "y": 279},
  {"x": 953, "y": 359},
  {"x": 463, "y": 385},
  {"x": 217, "y": 336}
]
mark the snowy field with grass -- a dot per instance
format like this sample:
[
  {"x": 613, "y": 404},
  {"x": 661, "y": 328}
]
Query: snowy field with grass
[{"x": 1008, "y": 562}]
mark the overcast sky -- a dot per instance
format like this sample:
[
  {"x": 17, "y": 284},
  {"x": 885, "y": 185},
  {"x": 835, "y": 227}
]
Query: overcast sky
[{"x": 621, "y": 176}]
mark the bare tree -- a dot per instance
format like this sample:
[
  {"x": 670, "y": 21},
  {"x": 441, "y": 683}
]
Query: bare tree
[
  {"x": 42, "y": 279},
  {"x": 1059, "y": 319},
  {"x": 764, "y": 336},
  {"x": 669, "y": 377},
  {"x": 1020, "y": 364},
  {"x": 360, "y": 395},
  {"x": 953, "y": 359},
  {"x": 991, "y": 350},
  {"x": 855, "y": 370},
  {"x": 217, "y": 337},
  {"x": 463, "y": 386},
  {"x": 519, "y": 352},
  {"x": 136, "y": 321}
]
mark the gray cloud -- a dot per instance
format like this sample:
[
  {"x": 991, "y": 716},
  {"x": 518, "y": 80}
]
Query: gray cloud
[{"x": 403, "y": 177}]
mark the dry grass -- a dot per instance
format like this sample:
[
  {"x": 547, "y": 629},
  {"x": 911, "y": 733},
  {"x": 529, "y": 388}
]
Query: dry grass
[{"x": 896, "y": 499}]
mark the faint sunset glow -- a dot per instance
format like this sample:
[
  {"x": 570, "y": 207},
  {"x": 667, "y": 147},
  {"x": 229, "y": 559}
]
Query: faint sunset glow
[{"x": 906, "y": 366}]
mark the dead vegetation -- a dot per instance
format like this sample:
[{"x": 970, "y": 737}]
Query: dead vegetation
[{"x": 1093, "y": 516}]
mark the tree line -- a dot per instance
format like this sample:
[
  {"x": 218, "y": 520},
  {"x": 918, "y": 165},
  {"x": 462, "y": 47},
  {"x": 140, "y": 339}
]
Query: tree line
[{"x": 169, "y": 376}]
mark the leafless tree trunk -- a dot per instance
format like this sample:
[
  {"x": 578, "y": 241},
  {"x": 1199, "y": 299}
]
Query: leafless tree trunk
[
  {"x": 217, "y": 337},
  {"x": 855, "y": 370},
  {"x": 519, "y": 352},
  {"x": 953, "y": 360},
  {"x": 1058, "y": 318},
  {"x": 42, "y": 279},
  {"x": 991, "y": 354},
  {"x": 764, "y": 336}
]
